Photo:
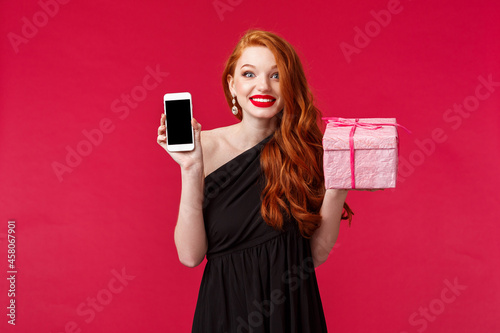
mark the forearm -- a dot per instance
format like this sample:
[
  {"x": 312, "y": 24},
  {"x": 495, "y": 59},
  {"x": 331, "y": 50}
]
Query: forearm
[
  {"x": 190, "y": 236},
  {"x": 325, "y": 236}
]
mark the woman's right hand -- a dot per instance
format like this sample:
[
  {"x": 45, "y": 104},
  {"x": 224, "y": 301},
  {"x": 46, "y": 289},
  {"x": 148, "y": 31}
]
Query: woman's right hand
[{"x": 188, "y": 160}]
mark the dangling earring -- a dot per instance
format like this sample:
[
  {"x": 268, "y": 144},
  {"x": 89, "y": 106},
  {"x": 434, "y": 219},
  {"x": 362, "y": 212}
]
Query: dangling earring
[{"x": 234, "y": 109}]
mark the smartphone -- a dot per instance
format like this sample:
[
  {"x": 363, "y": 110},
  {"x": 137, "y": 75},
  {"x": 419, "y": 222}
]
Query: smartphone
[{"x": 179, "y": 112}]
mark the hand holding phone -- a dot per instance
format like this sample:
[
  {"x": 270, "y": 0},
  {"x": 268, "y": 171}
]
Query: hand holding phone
[{"x": 193, "y": 159}]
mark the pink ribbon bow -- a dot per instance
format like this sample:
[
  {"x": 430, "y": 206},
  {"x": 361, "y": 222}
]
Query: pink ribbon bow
[{"x": 342, "y": 122}]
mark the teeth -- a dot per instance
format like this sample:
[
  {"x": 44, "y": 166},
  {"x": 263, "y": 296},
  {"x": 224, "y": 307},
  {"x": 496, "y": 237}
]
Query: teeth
[{"x": 262, "y": 100}]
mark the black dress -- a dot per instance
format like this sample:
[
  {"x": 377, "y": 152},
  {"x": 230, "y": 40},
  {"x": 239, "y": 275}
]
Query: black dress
[{"x": 256, "y": 279}]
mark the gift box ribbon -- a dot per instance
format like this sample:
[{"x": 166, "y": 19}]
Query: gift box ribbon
[{"x": 342, "y": 122}]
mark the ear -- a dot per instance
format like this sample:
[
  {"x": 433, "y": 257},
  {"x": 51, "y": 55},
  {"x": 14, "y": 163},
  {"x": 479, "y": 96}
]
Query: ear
[{"x": 230, "y": 83}]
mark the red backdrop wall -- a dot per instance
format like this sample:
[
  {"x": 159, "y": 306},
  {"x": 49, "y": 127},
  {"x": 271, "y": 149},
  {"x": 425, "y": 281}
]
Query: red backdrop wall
[{"x": 95, "y": 199}]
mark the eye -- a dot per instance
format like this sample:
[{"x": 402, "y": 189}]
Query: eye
[
  {"x": 275, "y": 76},
  {"x": 248, "y": 74}
]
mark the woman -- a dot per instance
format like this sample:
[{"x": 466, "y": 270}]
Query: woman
[{"x": 253, "y": 199}]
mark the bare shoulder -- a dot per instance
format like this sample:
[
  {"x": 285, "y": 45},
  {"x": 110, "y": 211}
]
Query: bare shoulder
[
  {"x": 214, "y": 138},
  {"x": 209, "y": 140},
  {"x": 215, "y": 148}
]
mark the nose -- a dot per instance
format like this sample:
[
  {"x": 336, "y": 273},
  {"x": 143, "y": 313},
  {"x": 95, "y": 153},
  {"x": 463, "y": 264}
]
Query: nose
[{"x": 263, "y": 83}]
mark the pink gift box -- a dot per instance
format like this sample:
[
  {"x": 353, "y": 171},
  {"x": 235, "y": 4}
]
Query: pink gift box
[{"x": 360, "y": 153}]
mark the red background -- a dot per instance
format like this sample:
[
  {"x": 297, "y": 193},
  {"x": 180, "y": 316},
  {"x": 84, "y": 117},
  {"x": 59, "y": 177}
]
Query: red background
[{"x": 117, "y": 207}]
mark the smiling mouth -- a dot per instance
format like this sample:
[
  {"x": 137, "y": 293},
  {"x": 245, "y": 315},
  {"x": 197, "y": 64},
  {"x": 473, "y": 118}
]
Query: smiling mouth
[{"x": 262, "y": 101}]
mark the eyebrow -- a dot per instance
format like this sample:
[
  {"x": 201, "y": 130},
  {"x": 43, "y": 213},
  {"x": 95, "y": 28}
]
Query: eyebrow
[{"x": 275, "y": 66}]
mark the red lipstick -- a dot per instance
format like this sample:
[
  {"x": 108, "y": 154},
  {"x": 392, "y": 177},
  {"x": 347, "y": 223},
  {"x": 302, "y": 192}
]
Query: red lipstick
[{"x": 262, "y": 101}]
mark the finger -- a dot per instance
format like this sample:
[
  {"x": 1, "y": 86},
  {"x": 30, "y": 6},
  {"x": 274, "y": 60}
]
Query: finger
[
  {"x": 161, "y": 139},
  {"x": 162, "y": 130},
  {"x": 162, "y": 119},
  {"x": 197, "y": 130},
  {"x": 196, "y": 125}
]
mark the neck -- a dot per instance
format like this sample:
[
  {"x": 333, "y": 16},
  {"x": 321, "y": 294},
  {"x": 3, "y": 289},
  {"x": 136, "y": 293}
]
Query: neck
[{"x": 251, "y": 131}]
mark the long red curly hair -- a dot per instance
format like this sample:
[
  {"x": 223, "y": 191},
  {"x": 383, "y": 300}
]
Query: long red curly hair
[{"x": 292, "y": 160}]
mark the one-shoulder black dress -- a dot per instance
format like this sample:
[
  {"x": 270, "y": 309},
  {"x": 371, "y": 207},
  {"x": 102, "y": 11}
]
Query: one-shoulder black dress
[{"x": 256, "y": 279}]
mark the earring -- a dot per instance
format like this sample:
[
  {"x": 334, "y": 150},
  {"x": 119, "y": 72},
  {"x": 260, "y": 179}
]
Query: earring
[{"x": 234, "y": 109}]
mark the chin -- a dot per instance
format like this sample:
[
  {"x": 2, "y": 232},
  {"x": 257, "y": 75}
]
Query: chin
[{"x": 263, "y": 113}]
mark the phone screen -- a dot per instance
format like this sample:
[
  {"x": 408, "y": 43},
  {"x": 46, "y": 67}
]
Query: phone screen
[{"x": 178, "y": 122}]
